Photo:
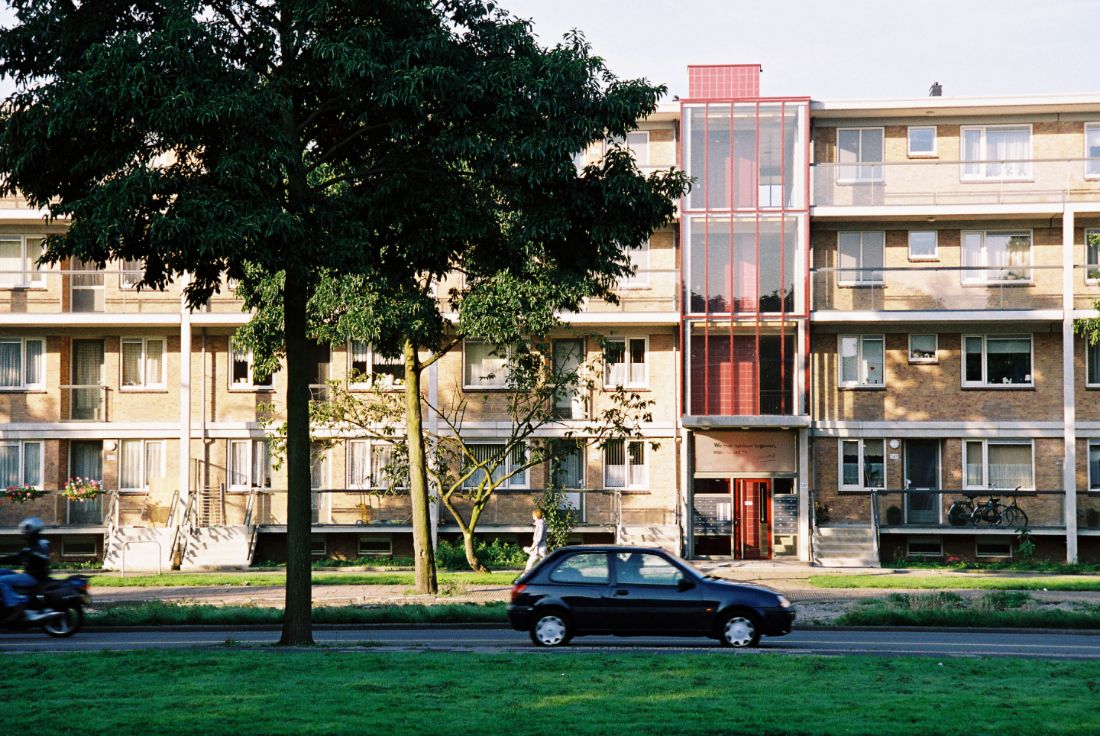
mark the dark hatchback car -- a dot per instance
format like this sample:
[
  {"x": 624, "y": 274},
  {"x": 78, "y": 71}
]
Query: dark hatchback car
[{"x": 640, "y": 591}]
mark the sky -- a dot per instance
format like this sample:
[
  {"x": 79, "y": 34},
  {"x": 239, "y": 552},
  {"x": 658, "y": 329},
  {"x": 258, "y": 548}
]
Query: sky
[
  {"x": 836, "y": 49},
  {"x": 842, "y": 49}
]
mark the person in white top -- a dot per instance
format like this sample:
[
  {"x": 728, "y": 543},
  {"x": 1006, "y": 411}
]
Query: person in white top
[{"x": 537, "y": 550}]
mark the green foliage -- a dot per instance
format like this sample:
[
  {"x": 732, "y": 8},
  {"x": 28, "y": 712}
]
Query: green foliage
[
  {"x": 1009, "y": 609},
  {"x": 1025, "y": 545},
  {"x": 559, "y": 515},
  {"x": 160, "y": 613},
  {"x": 495, "y": 554},
  {"x": 957, "y": 582}
]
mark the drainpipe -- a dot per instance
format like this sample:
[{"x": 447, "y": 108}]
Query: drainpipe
[
  {"x": 185, "y": 411},
  {"x": 1069, "y": 390}
]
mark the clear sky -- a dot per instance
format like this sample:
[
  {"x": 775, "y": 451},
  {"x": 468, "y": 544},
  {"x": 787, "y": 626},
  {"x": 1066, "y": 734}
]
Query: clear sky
[{"x": 843, "y": 49}]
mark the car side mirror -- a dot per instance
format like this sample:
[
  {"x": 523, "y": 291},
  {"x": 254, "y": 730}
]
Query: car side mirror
[{"x": 684, "y": 584}]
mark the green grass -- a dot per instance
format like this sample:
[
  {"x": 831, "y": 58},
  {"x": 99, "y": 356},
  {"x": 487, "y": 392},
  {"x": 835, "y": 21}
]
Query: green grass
[
  {"x": 189, "y": 579},
  {"x": 996, "y": 609},
  {"x": 956, "y": 582},
  {"x": 1044, "y": 566},
  {"x": 323, "y": 692},
  {"x": 157, "y": 613}
]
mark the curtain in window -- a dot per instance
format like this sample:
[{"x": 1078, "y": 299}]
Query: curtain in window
[
  {"x": 131, "y": 364},
  {"x": 87, "y": 459},
  {"x": 974, "y": 464},
  {"x": 154, "y": 460},
  {"x": 381, "y": 462},
  {"x": 637, "y": 362},
  {"x": 10, "y": 363},
  {"x": 240, "y": 367},
  {"x": 1010, "y": 466},
  {"x": 849, "y": 462},
  {"x": 9, "y": 465},
  {"x": 238, "y": 464},
  {"x": 154, "y": 361},
  {"x": 318, "y": 467},
  {"x": 570, "y": 468},
  {"x": 636, "y": 476},
  {"x": 874, "y": 464},
  {"x": 493, "y": 456},
  {"x": 32, "y": 464},
  {"x": 615, "y": 357},
  {"x": 360, "y": 359},
  {"x": 874, "y": 367},
  {"x": 1008, "y": 150},
  {"x": 614, "y": 462},
  {"x": 11, "y": 262},
  {"x": 130, "y": 472},
  {"x": 358, "y": 465},
  {"x": 483, "y": 367},
  {"x": 36, "y": 369},
  {"x": 261, "y": 464}
]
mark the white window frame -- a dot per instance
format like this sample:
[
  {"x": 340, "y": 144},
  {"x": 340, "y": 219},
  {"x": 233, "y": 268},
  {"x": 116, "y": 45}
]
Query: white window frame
[
  {"x": 500, "y": 379},
  {"x": 21, "y": 445},
  {"x": 862, "y": 467},
  {"x": 1092, "y": 163},
  {"x": 935, "y": 350},
  {"x": 983, "y": 268},
  {"x": 1093, "y": 481},
  {"x": 909, "y": 141},
  {"x": 984, "y": 382},
  {"x": 866, "y": 171},
  {"x": 634, "y": 148},
  {"x": 935, "y": 256},
  {"x": 370, "y": 445},
  {"x": 861, "y": 380},
  {"x": 923, "y": 540},
  {"x": 251, "y": 444},
  {"x": 1088, "y": 362},
  {"x": 371, "y": 359},
  {"x": 143, "y": 472},
  {"x": 1092, "y": 268},
  {"x": 626, "y": 343},
  {"x": 983, "y": 161},
  {"x": 986, "y": 444},
  {"x": 518, "y": 481},
  {"x": 640, "y": 258},
  {"x": 144, "y": 383},
  {"x": 251, "y": 385},
  {"x": 863, "y": 276},
  {"x": 25, "y": 385},
  {"x": 32, "y": 277},
  {"x": 127, "y": 271},
  {"x": 641, "y": 481}
]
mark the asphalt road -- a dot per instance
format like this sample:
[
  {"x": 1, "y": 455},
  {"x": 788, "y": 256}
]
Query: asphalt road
[{"x": 810, "y": 641}]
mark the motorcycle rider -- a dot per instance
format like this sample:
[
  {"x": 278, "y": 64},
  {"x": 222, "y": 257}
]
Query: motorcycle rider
[{"x": 35, "y": 559}]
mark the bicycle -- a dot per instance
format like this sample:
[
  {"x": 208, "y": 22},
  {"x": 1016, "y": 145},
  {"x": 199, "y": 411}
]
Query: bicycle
[{"x": 991, "y": 511}]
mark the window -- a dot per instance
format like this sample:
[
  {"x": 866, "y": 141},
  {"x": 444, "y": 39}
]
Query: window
[
  {"x": 922, "y": 140},
  {"x": 130, "y": 274},
  {"x": 993, "y": 547},
  {"x": 1094, "y": 467},
  {"x": 143, "y": 362},
  {"x": 373, "y": 465},
  {"x": 639, "y": 259},
  {"x": 369, "y": 367},
  {"x": 20, "y": 464},
  {"x": 78, "y": 547},
  {"x": 375, "y": 546},
  {"x": 241, "y": 374},
  {"x": 922, "y": 245},
  {"x": 1092, "y": 365},
  {"x": 996, "y": 257},
  {"x": 861, "y": 258},
  {"x": 18, "y": 254},
  {"x": 139, "y": 462},
  {"x": 996, "y": 152},
  {"x": 486, "y": 366},
  {"x": 862, "y": 464},
  {"x": 249, "y": 464},
  {"x": 580, "y": 159},
  {"x": 318, "y": 360},
  {"x": 625, "y": 363},
  {"x": 923, "y": 348},
  {"x": 22, "y": 363},
  {"x": 643, "y": 568},
  {"x": 1092, "y": 150},
  {"x": 506, "y": 467},
  {"x": 318, "y": 467},
  {"x": 996, "y": 361},
  {"x": 637, "y": 142},
  {"x": 924, "y": 547},
  {"x": 318, "y": 547},
  {"x": 624, "y": 465},
  {"x": 862, "y": 362},
  {"x": 1092, "y": 256},
  {"x": 859, "y": 153},
  {"x": 998, "y": 465},
  {"x": 586, "y": 567}
]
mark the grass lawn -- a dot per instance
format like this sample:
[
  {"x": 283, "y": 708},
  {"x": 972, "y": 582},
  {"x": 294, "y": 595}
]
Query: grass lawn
[
  {"x": 202, "y": 579},
  {"x": 997, "y": 609},
  {"x": 968, "y": 581},
  {"x": 156, "y": 613},
  {"x": 322, "y": 692}
]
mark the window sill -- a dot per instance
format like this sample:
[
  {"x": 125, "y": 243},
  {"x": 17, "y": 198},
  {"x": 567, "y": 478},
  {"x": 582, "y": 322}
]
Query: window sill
[
  {"x": 18, "y": 390},
  {"x": 250, "y": 389},
  {"x": 487, "y": 389},
  {"x": 859, "y": 284},
  {"x": 924, "y": 259},
  {"x": 142, "y": 390},
  {"x": 924, "y": 156},
  {"x": 876, "y": 387},
  {"x": 1000, "y": 387},
  {"x": 986, "y": 284},
  {"x": 20, "y": 287},
  {"x": 626, "y": 387},
  {"x": 633, "y": 491},
  {"x": 362, "y": 387},
  {"x": 994, "y": 179},
  {"x": 924, "y": 361},
  {"x": 851, "y": 182}
]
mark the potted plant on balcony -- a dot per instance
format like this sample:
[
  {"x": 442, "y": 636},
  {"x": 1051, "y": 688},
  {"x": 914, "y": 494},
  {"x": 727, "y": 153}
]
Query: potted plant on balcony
[
  {"x": 82, "y": 489},
  {"x": 21, "y": 494}
]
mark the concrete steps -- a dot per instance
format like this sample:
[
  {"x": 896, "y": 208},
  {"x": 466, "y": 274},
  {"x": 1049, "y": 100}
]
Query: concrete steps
[
  {"x": 217, "y": 548},
  {"x": 653, "y": 535},
  {"x": 845, "y": 546}
]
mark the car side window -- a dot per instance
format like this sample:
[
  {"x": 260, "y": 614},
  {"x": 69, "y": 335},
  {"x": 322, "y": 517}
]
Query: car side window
[
  {"x": 586, "y": 567},
  {"x": 641, "y": 568}
]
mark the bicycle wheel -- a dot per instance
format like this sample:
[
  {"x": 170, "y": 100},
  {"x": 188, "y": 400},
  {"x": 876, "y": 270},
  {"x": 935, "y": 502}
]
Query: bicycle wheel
[
  {"x": 959, "y": 514},
  {"x": 1014, "y": 516}
]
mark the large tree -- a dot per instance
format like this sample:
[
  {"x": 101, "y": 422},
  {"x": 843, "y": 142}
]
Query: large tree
[{"x": 290, "y": 142}]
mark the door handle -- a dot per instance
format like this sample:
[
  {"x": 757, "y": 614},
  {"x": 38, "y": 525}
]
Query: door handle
[{"x": 622, "y": 592}]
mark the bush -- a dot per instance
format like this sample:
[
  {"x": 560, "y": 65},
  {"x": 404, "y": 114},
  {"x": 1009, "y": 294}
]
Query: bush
[{"x": 494, "y": 555}]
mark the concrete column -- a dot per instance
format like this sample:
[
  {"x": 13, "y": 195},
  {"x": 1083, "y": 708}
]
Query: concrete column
[
  {"x": 683, "y": 438},
  {"x": 433, "y": 431},
  {"x": 1069, "y": 388},
  {"x": 185, "y": 407},
  {"x": 804, "y": 481}
]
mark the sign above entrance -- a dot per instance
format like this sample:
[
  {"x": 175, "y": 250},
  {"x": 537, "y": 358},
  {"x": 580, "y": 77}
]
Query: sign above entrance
[{"x": 745, "y": 452}]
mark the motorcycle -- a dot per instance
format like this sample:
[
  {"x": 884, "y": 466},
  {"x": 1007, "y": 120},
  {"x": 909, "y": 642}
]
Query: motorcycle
[{"x": 64, "y": 599}]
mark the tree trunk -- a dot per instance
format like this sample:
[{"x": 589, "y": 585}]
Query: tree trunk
[
  {"x": 423, "y": 554},
  {"x": 297, "y": 623},
  {"x": 471, "y": 556}
]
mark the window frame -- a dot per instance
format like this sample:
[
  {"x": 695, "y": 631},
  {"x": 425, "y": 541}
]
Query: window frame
[
  {"x": 21, "y": 449},
  {"x": 627, "y": 465},
  {"x": 986, "y": 444},
  {"x": 604, "y": 582},
  {"x": 387, "y": 538},
  {"x": 640, "y": 280},
  {"x": 1092, "y": 481},
  {"x": 144, "y": 385},
  {"x": 984, "y": 267},
  {"x": 877, "y": 173},
  {"x": 625, "y": 143},
  {"x": 1092, "y": 162},
  {"x": 1089, "y": 359},
  {"x": 984, "y": 161},
  {"x": 984, "y": 383},
  {"x": 37, "y": 274},
  {"x": 935, "y": 256},
  {"x": 923, "y": 540},
  {"x": 250, "y": 362},
  {"x": 251, "y": 462},
  {"x": 144, "y": 471},
  {"x": 499, "y": 384},
  {"x": 1005, "y": 539},
  {"x": 861, "y": 381},
  {"x": 520, "y": 481},
  {"x": 125, "y": 274},
  {"x": 1092, "y": 268},
  {"x": 909, "y": 141},
  {"x": 861, "y": 464},
  {"x": 626, "y": 343},
  {"x": 369, "y": 374},
  {"x": 864, "y": 276},
  {"x": 40, "y": 384},
  {"x": 935, "y": 350}
]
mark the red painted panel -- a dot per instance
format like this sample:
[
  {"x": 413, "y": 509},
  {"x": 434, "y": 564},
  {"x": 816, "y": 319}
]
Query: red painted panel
[{"x": 723, "y": 81}]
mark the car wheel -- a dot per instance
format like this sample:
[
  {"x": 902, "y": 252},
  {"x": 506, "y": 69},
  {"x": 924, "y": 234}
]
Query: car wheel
[
  {"x": 739, "y": 629},
  {"x": 551, "y": 629},
  {"x": 67, "y": 625}
]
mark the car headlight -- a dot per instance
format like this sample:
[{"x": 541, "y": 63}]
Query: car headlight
[{"x": 783, "y": 602}]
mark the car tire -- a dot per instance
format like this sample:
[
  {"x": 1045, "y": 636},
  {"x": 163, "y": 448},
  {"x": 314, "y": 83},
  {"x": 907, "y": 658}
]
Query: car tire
[
  {"x": 739, "y": 629},
  {"x": 551, "y": 629}
]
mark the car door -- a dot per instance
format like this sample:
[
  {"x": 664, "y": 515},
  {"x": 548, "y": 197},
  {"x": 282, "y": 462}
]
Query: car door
[
  {"x": 652, "y": 593},
  {"x": 581, "y": 581}
]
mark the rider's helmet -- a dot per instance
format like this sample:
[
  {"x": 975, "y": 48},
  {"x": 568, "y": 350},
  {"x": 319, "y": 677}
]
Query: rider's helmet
[{"x": 31, "y": 527}]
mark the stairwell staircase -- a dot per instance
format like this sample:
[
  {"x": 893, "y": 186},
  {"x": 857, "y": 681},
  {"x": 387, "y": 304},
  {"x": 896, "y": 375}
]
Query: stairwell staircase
[{"x": 845, "y": 546}]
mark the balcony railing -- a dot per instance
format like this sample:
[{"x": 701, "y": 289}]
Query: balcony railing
[
  {"x": 56, "y": 511},
  {"x": 921, "y": 183},
  {"x": 937, "y": 288},
  {"x": 84, "y": 403},
  {"x": 649, "y": 290},
  {"x": 899, "y": 510}
]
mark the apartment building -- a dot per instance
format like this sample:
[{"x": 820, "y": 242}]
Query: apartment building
[{"x": 863, "y": 313}]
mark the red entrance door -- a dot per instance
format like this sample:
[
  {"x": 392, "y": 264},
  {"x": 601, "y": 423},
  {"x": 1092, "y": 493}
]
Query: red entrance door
[{"x": 752, "y": 519}]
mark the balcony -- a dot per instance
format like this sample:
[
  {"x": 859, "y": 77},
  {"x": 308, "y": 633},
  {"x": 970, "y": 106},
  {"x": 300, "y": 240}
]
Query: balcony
[
  {"x": 937, "y": 288},
  {"x": 909, "y": 511},
  {"x": 56, "y": 511},
  {"x": 955, "y": 184},
  {"x": 84, "y": 403}
]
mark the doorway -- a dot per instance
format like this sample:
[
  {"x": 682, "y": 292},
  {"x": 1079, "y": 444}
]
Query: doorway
[
  {"x": 731, "y": 517},
  {"x": 922, "y": 473}
]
